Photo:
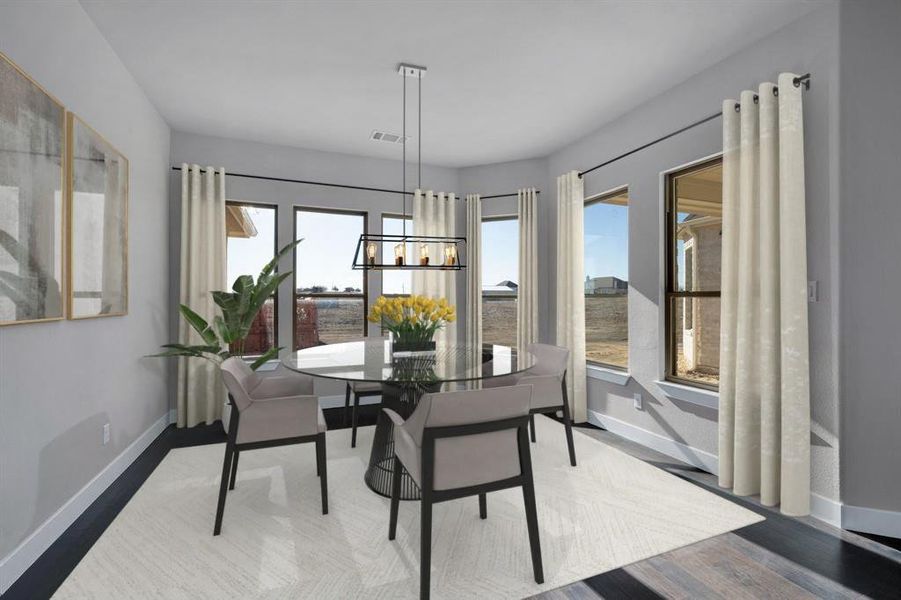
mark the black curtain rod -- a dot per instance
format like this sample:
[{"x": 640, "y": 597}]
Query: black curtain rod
[
  {"x": 338, "y": 185},
  {"x": 798, "y": 81}
]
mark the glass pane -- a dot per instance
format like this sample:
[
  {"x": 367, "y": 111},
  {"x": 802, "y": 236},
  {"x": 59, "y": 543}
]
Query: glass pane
[
  {"x": 499, "y": 320},
  {"x": 325, "y": 256},
  {"x": 696, "y": 329},
  {"x": 699, "y": 217},
  {"x": 500, "y": 273},
  {"x": 395, "y": 282},
  {"x": 607, "y": 280},
  {"x": 250, "y": 244},
  {"x": 320, "y": 321}
]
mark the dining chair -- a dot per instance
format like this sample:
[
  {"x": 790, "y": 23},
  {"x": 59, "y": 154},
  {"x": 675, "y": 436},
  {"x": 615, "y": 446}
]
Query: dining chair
[
  {"x": 466, "y": 443},
  {"x": 266, "y": 412},
  {"x": 359, "y": 389},
  {"x": 548, "y": 380}
]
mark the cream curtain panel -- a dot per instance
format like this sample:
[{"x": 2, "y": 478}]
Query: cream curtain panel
[
  {"x": 571, "y": 288},
  {"x": 473, "y": 329},
  {"x": 527, "y": 293},
  {"x": 764, "y": 411},
  {"x": 433, "y": 214},
  {"x": 201, "y": 393}
]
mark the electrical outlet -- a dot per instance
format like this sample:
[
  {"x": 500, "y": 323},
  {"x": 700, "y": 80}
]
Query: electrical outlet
[
  {"x": 813, "y": 291},
  {"x": 106, "y": 434},
  {"x": 636, "y": 401}
]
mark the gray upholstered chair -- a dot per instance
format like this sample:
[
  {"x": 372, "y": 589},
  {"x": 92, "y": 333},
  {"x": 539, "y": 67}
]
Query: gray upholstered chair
[
  {"x": 268, "y": 411},
  {"x": 468, "y": 443},
  {"x": 548, "y": 380},
  {"x": 359, "y": 389}
]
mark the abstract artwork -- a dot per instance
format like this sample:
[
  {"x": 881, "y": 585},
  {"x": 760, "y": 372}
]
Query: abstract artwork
[
  {"x": 32, "y": 141},
  {"x": 98, "y": 224}
]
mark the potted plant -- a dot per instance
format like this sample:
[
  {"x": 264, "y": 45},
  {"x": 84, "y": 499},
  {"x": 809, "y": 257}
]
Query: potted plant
[
  {"x": 412, "y": 320},
  {"x": 239, "y": 308}
]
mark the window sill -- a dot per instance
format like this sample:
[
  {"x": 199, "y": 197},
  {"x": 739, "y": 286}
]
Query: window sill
[
  {"x": 687, "y": 393},
  {"x": 607, "y": 374}
]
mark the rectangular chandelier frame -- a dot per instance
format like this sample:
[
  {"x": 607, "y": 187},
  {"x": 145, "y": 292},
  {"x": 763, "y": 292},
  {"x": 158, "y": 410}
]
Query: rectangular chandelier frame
[{"x": 363, "y": 262}]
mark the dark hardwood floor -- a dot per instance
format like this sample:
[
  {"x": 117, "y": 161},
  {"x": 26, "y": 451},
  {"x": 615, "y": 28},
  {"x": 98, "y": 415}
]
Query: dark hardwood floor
[{"x": 780, "y": 557}]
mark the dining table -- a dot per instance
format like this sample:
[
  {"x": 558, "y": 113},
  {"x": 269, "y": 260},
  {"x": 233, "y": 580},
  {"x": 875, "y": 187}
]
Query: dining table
[{"x": 404, "y": 378}]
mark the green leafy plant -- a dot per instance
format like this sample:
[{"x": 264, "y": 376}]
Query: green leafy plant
[{"x": 238, "y": 308}]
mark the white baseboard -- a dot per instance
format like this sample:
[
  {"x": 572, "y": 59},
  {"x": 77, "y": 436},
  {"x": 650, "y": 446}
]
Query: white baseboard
[
  {"x": 654, "y": 441},
  {"x": 23, "y": 556},
  {"x": 871, "y": 520},
  {"x": 825, "y": 509}
]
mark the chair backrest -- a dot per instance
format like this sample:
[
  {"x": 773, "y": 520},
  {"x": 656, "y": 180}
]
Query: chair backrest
[
  {"x": 477, "y": 458},
  {"x": 240, "y": 380},
  {"x": 549, "y": 360}
]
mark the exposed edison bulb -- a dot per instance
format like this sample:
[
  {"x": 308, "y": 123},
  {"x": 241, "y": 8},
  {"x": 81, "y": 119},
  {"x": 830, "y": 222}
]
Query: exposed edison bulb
[
  {"x": 370, "y": 252},
  {"x": 400, "y": 254},
  {"x": 424, "y": 254},
  {"x": 450, "y": 255}
]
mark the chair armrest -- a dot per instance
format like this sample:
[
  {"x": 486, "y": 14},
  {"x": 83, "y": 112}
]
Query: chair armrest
[
  {"x": 395, "y": 418},
  {"x": 275, "y": 386}
]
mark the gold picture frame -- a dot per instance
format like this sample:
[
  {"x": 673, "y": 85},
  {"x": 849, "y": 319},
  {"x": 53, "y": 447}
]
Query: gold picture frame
[
  {"x": 33, "y": 271},
  {"x": 97, "y": 224}
]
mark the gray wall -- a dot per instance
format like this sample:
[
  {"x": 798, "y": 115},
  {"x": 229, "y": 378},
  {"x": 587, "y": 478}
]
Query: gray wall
[
  {"x": 296, "y": 163},
  {"x": 808, "y": 45},
  {"x": 870, "y": 335},
  {"x": 60, "y": 382}
]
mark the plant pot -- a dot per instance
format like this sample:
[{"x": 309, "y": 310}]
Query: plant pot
[{"x": 412, "y": 346}]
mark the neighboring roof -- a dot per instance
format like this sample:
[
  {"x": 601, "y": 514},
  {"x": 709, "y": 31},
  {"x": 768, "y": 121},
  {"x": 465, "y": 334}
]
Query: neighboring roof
[
  {"x": 238, "y": 223},
  {"x": 507, "y": 283}
]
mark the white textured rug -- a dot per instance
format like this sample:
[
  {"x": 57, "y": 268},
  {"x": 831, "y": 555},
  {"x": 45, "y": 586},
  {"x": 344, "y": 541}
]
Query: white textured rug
[{"x": 609, "y": 511}]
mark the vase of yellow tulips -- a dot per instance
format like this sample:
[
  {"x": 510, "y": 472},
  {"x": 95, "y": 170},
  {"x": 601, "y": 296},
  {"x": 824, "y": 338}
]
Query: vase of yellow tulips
[{"x": 412, "y": 320}]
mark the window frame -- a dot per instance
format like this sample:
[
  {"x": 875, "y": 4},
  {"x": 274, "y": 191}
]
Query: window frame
[
  {"x": 275, "y": 295},
  {"x": 671, "y": 291},
  {"x": 489, "y": 219},
  {"x": 364, "y": 294},
  {"x": 595, "y": 199}
]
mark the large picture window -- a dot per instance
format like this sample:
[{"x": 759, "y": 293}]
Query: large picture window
[
  {"x": 694, "y": 210},
  {"x": 607, "y": 279},
  {"x": 330, "y": 297},
  {"x": 250, "y": 244},
  {"x": 500, "y": 277}
]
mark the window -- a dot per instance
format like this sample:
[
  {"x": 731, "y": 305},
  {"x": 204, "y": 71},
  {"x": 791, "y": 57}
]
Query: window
[
  {"x": 250, "y": 244},
  {"x": 607, "y": 279},
  {"x": 330, "y": 297},
  {"x": 500, "y": 273},
  {"x": 694, "y": 209},
  {"x": 395, "y": 283}
]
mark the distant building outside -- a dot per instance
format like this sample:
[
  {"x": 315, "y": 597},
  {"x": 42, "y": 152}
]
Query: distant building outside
[{"x": 604, "y": 286}]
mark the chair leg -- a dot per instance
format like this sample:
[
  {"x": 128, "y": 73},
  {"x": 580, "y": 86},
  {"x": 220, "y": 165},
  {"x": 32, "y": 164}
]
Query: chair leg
[
  {"x": 532, "y": 427},
  {"x": 346, "y": 402},
  {"x": 483, "y": 506},
  {"x": 528, "y": 496},
  {"x": 395, "y": 499},
  {"x": 568, "y": 426},
  {"x": 231, "y": 484},
  {"x": 223, "y": 488},
  {"x": 323, "y": 470},
  {"x": 353, "y": 433},
  {"x": 425, "y": 551}
]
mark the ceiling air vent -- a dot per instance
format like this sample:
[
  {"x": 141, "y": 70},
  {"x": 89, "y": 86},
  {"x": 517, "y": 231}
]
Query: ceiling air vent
[{"x": 383, "y": 136}]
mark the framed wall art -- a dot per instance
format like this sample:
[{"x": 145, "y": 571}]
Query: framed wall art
[
  {"x": 32, "y": 145},
  {"x": 98, "y": 224}
]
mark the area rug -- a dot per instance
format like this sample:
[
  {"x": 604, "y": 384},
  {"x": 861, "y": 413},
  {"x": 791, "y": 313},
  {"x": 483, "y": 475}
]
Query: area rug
[{"x": 609, "y": 511}]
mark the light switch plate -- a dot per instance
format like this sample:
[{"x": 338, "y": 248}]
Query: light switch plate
[
  {"x": 106, "y": 434},
  {"x": 813, "y": 291},
  {"x": 636, "y": 401}
]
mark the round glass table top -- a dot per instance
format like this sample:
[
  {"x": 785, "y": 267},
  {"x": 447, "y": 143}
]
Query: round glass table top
[{"x": 373, "y": 360}]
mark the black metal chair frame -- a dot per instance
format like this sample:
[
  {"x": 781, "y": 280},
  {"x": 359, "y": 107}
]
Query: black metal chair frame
[
  {"x": 357, "y": 396},
  {"x": 233, "y": 450},
  {"x": 431, "y": 496},
  {"x": 567, "y": 421}
]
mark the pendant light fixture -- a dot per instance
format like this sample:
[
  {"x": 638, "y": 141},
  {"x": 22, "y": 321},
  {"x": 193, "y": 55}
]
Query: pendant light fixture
[{"x": 411, "y": 252}]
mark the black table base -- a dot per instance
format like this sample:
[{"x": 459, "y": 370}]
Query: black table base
[{"x": 402, "y": 400}]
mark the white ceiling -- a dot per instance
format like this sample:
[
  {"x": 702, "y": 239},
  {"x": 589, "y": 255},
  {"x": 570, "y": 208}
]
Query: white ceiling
[{"x": 506, "y": 80}]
